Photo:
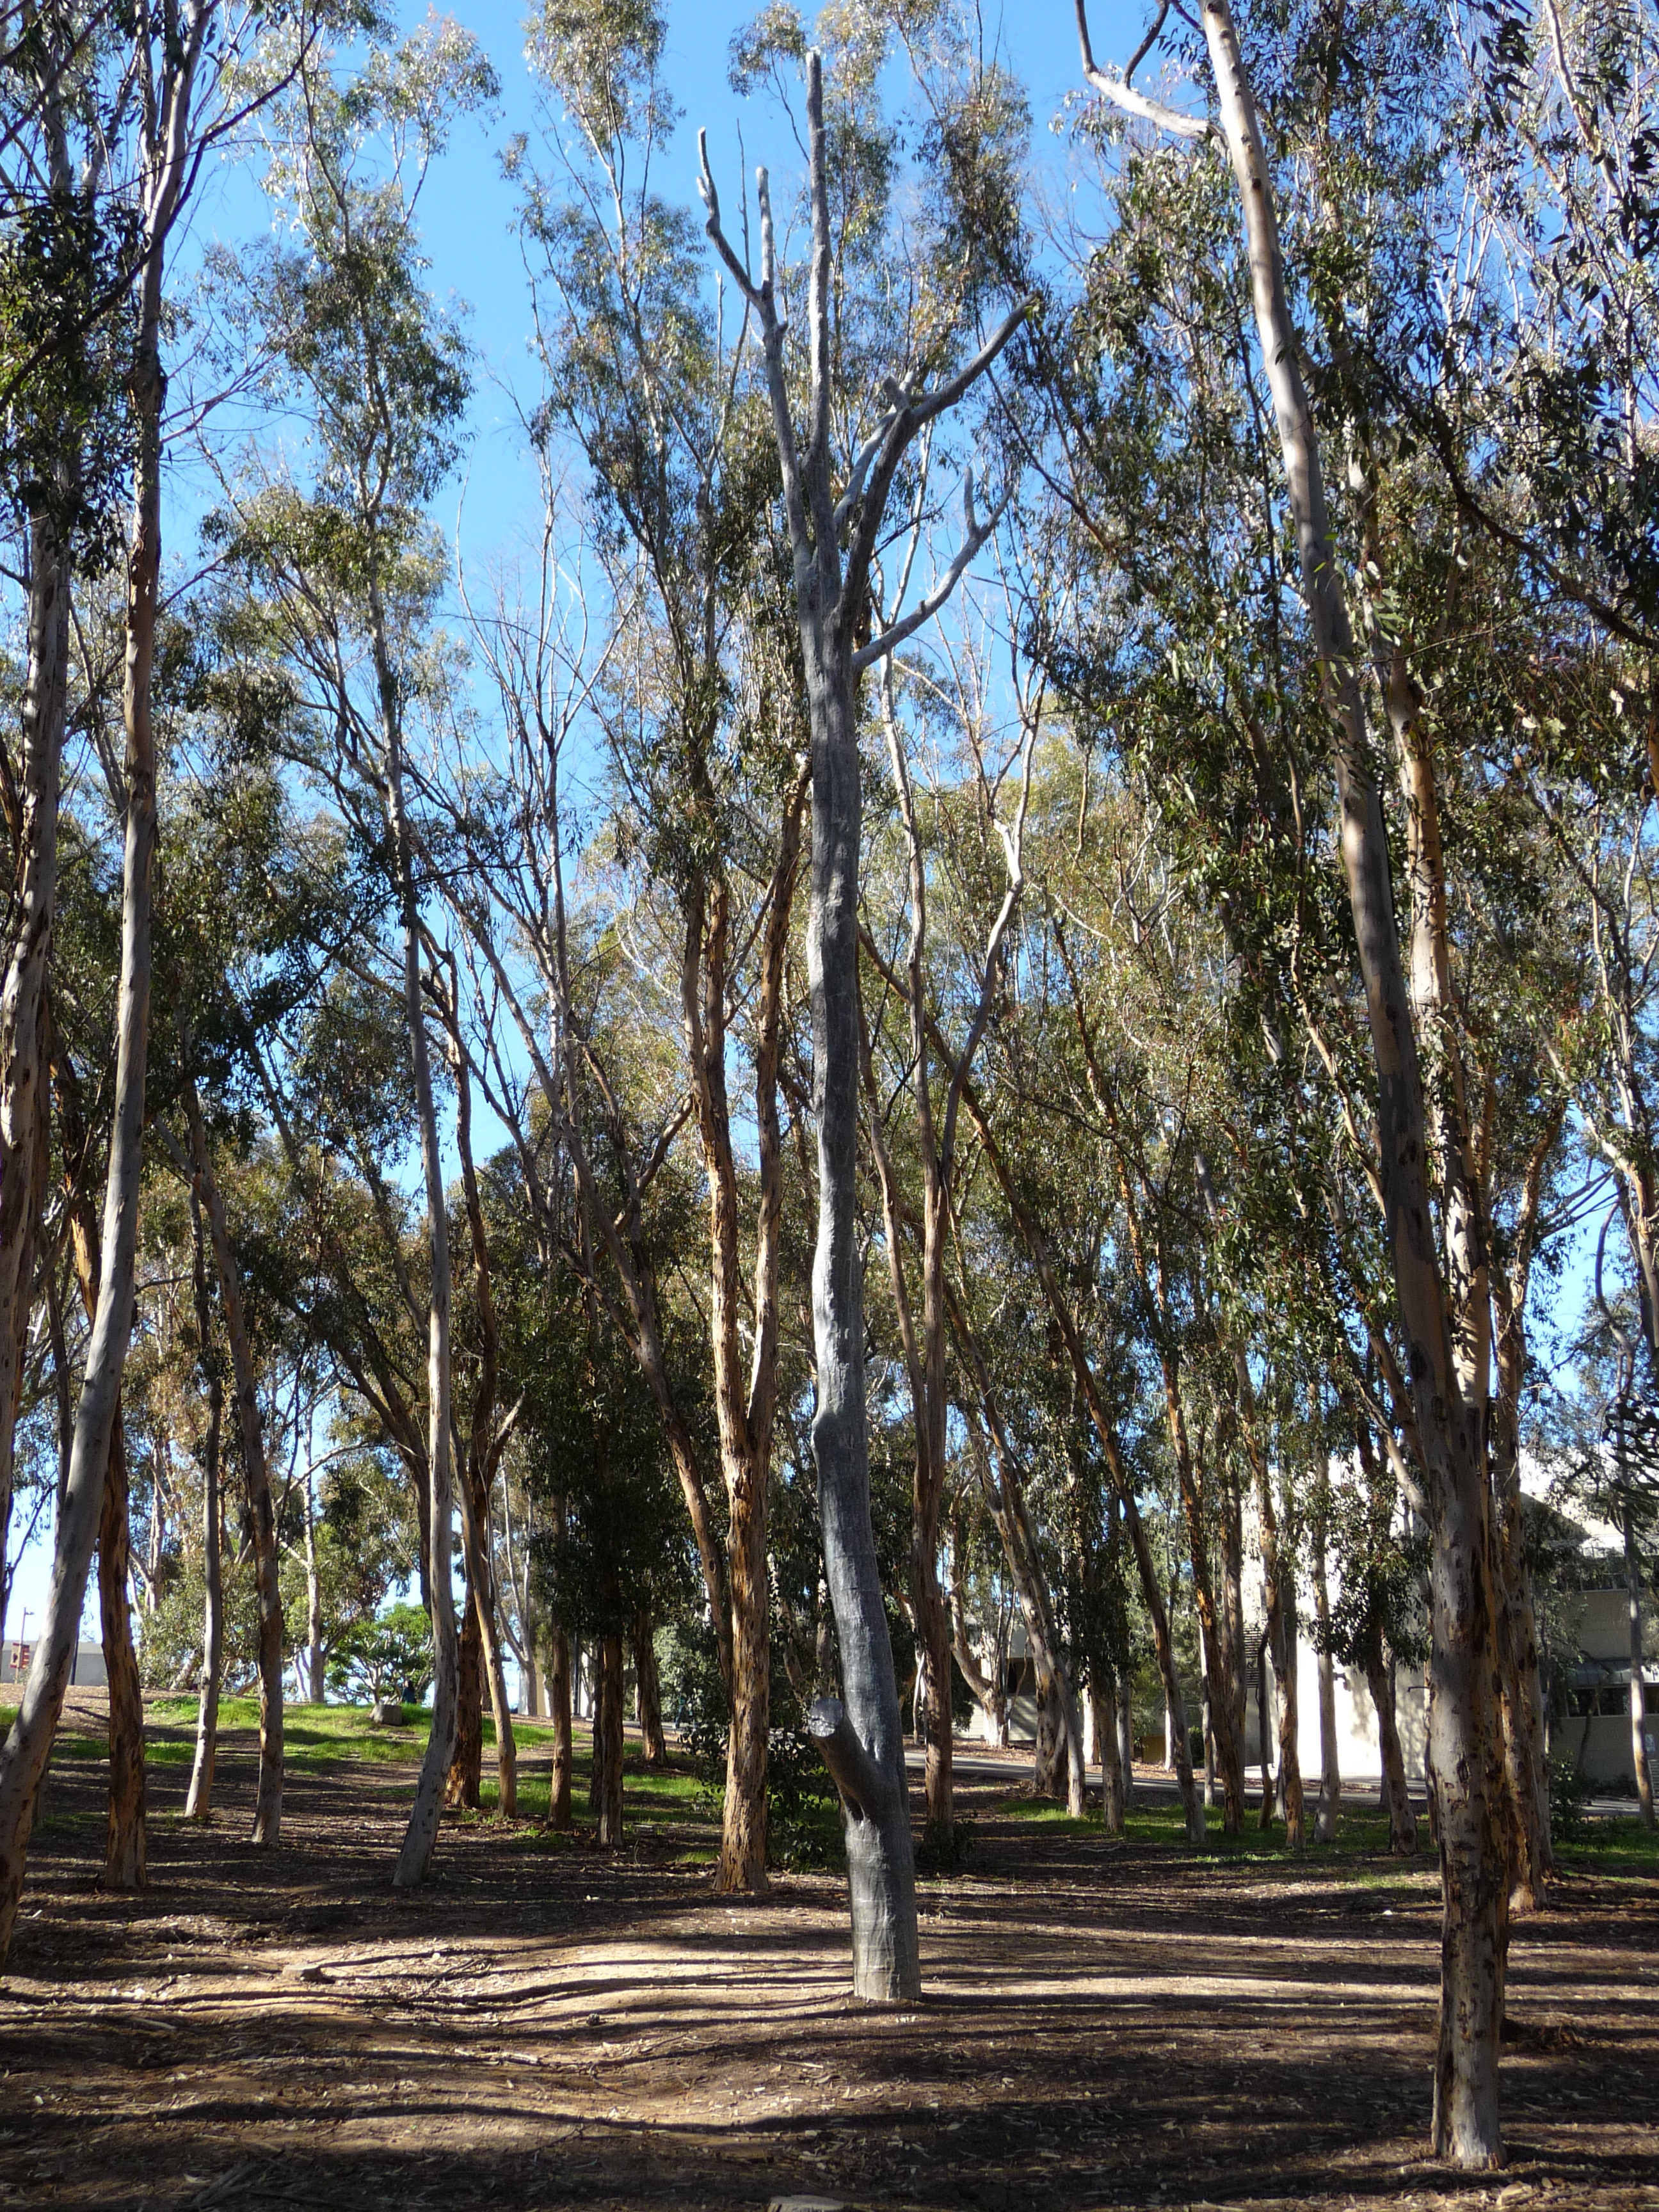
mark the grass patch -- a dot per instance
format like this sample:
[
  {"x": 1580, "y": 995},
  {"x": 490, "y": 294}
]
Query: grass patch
[{"x": 1619, "y": 1845}]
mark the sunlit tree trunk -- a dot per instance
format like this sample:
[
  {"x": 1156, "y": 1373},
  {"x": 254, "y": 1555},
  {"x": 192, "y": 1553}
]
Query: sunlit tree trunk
[
  {"x": 420, "y": 1840},
  {"x": 463, "y": 1783},
  {"x": 1448, "y": 1393},
  {"x": 23, "y": 1761},
  {"x": 862, "y": 1740},
  {"x": 31, "y": 810}
]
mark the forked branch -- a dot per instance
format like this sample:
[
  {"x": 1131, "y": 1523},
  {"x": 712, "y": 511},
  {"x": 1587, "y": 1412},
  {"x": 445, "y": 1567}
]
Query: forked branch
[{"x": 1123, "y": 94}]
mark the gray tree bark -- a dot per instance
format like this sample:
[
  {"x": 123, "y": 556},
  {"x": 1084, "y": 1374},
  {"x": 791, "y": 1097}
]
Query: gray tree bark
[{"x": 830, "y": 601}]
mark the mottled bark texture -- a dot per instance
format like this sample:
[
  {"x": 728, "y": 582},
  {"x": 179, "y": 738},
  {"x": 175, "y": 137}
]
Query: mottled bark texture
[
  {"x": 831, "y": 599},
  {"x": 463, "y": 1783}
]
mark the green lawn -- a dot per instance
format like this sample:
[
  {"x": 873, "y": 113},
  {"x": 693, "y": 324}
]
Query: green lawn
[{"x": 319, "y": 1736}]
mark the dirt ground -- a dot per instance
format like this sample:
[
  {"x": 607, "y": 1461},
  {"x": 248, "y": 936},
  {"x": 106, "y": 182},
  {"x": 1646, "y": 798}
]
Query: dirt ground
[{"x": 549, "y": 2026}]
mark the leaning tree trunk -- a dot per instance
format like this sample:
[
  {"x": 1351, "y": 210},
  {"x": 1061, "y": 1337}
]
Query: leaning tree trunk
[
  {"x": 125, "y": 1843},
  {"x": 23, "y": 1761},
  {"x": 1464, "y": 1776},
  {"x": 256, "y": 1471},
  {"x": 125, "y": 1854},
  {"x": 198, "y": 1804},
  {"x": 24, "y": 1088}
]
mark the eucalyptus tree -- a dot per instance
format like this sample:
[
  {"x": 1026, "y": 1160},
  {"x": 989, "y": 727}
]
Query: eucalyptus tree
[
  {"x": 997, "y": 762},
  {"x": 1380, "y": 196},
  {"x": 653, "y": 391},
  {"x": 188, "y": 78},
  {"x": 827, "y": 500},
  {"x": 68, "y": 275},
  {"x": 345, "y": 572}
]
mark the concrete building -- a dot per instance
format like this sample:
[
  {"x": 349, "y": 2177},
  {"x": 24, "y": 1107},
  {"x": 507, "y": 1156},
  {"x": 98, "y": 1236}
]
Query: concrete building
[{"x": 86, "y": 1669}]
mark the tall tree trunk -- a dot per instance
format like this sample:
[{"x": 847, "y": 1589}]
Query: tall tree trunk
[
  {"x": 605, "y": 1793},
  {"x": 1464, "y": 1776},
  {"x": 124, "y": 1849},
  {"x": 558, "y": 1708},
  {"x": 261, "y": 1506},
  {"x": 862, "y": 1740},
  {"x": 1396, "y": 1794},
  {"x": 477, "y": 1466},
  {"x": 1330, "y": 1768},
  {"x": 420, "y": 1840},
  {"x": 24, "y": 1073},
  {"x": 1638, "y": 1737},
  {"x": 886, "y": 1954},
  {"x": 23, "y": 1761},
  {"x": 315, "y": 1671},
  {"x": 198, "y": 1802},
  {"x": 741, "y": 1864},
  {"x": 124, "y": 1853},
  {"x": 647, "y": 1690}
]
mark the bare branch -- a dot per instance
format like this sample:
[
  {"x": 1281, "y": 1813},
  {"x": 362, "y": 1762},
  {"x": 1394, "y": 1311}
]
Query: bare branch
[
  {"x": 1121, "y": 94},
  {"x": 978, "y": 534}
]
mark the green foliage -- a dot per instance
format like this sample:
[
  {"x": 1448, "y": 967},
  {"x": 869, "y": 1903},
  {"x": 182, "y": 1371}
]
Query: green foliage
[
  {"x": 388, "y": 1658},
  {"x": 799, "y": 1828},
  {"x": 1570, "y": 1796}
]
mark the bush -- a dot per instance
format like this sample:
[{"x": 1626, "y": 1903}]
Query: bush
[
  {"x": 798, "y": 1790},
  {"x": 387, "y": 1661},
  {"x": 1569, "y": 1793}
]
